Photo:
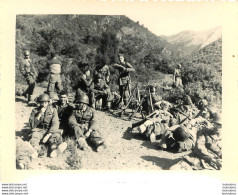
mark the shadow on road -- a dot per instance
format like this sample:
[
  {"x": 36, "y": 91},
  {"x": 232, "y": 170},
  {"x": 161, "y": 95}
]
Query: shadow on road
[
  {"x": 163, "y": 163},
  {"x": 18, "y": 99},
  {"x": 25, "y": 132}
]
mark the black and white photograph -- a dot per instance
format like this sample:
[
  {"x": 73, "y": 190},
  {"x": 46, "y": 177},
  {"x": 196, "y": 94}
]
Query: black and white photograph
[{"x": 112, "y": 92}]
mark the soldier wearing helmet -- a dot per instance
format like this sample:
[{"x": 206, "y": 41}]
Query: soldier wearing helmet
[
  {"x": 124, "y": 80},
  {"x": 55, "y": 81},
  {"x": 83, "y": 123},
  {"x": 101, "y": 91},
  {"x": 207, "y": 153},
  {"x": 44, "y": 123},
  {"x": 29, "y": 72},
  {"x": 177, "y": 76}
]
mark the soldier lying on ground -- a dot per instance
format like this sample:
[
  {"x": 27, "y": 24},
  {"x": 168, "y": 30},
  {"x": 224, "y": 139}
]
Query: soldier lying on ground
[
  {"x": 44, "y": 123},
  {"x": 83, "y": 123},
  {"x": 156, "y": 123},
  {"x": 29, "y": 72},
  {"x": 101, "y": 91},
  {"x": 207, "y": 153}
]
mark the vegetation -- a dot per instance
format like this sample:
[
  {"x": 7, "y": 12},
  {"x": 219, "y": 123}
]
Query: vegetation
[{"x": 81, "y": 40}]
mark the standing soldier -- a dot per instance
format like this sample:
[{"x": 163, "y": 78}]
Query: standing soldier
[
  {"x": 83, "y": 123},
  {"x": 124, "y": 79},
  {"x": 44, "y": 123},
  {"x": 55, "y": 82},
  {"x": 29, "y": 72},
  {"x": 178, "y": 76}
]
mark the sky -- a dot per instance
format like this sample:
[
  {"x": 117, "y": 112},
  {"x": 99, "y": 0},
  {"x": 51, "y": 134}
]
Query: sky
[{"x": 169, "y": 19}]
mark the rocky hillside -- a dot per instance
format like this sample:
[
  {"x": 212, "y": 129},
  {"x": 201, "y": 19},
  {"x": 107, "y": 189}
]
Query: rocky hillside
[{"x": 189, "y": 42}]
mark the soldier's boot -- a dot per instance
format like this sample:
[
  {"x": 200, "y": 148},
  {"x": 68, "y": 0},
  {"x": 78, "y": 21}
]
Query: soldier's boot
[
  {"x": 82, "y": 144},
  {"x": 58, "y": 150},
  {"x": 31, "y": 101},
  {"x": 142, "y": 128}
]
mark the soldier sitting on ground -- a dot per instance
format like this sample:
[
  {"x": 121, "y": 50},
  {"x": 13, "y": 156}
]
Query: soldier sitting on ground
[
  {"x": 84, "y": 84},
  {"x": 44, "y": 123},
  {"x": 207, "y": 153},
  {"x": 83, "y": 123},
  {"x": 101, "y": 91},
  {"x": 104, "y": 71},
  {"x": 29, "y": 72},
  {"x": 64, "y": 110}
]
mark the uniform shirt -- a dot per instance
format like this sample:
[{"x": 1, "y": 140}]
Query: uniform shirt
[
  {"x": 177, "y": 73},
  {"x": 99, "y": 86},
  {"x": 48, "y": 121},
  {"x": 105, "y": 72},
  {"x": 208, "y": 145},
  {"x": 64, "y": 113},
  {"x": 54, "y": 66},
  {"x": 27, "y": 68},
  {"x": 124, "y": 74},
  {"x": 84, "y": 83},
  {"x": 83, "y": 117}
]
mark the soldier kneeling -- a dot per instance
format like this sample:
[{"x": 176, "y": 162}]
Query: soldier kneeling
[{"x": 83, "y": 123}]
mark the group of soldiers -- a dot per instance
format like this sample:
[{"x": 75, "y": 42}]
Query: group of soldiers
[{"x": 175, "y": 127}]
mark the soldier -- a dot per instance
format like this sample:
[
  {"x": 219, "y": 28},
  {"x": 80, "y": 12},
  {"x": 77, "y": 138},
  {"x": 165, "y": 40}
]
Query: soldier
[
  {"x": 83, "y": 123},
  {"x": 104, "y": 70},
  {"x": 207, "y": 153},
  {"x": 44, "y": 123},
  {"x": 29, "y": 72},
  {"x": 156, "y": 123},
  {"x": 55, "y": 81},
  {"x": 124, "y": 79},
  {"x": 101, "y": 91},
  {"x": 64, "y": 110},
  {"x": 178, "y": 139},
  {"x": 178, "y": 76},
  {"x": 84, "y": 85}
]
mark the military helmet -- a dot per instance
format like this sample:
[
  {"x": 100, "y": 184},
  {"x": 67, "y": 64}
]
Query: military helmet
[
  {"x": 180, "y": 134},
  {"x": 44, "y": 98},
  {"x": 82, "y": 98},
  {"x": 99, "y": 76},
  {"x": 217, "y": 118},
  {"x": 54, "y": 96},
  {"x": 26, "y": 52},
  {"x": 179, "y": 65}
]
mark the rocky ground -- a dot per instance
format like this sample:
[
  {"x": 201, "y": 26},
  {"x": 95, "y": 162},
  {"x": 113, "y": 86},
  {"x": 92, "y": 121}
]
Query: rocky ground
[{"x": 126, "y": 150}]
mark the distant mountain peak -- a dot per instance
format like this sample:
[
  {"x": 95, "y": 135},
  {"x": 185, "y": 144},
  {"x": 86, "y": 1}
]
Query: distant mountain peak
[{"x": 189, "y": 42}]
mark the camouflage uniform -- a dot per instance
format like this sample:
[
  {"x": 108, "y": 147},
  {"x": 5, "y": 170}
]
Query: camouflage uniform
[
  {"x": 30, "y": 74},
  {"x": 55, "y": 81},
  {"x": 48, "y": 123},
  {"x": 81, "y": 121}
]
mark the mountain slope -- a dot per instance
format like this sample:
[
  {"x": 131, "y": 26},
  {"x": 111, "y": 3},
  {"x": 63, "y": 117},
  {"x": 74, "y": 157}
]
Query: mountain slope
[{"x": 191, "y": 41}]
